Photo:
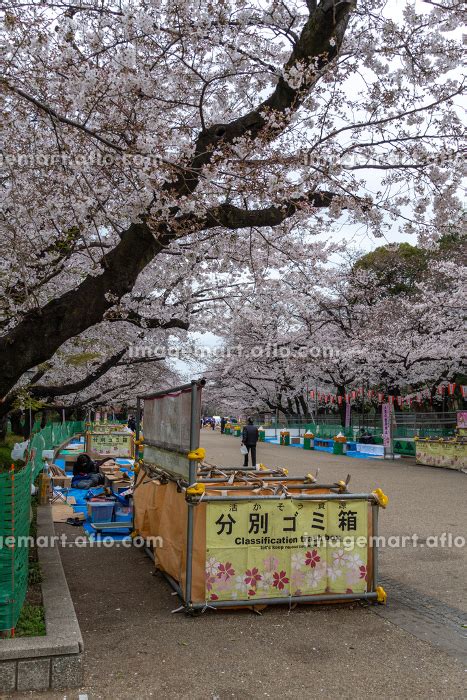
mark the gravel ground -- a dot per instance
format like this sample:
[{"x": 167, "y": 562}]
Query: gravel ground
[{"x": 415, "y": 647}]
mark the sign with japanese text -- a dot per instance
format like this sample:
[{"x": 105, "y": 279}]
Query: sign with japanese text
[
  {"x": 115, "y": 444},
  {"x": 285, "y": 547},
  {"x": 108, "y": 428},
  {"x": 386, "y": 419},
  {"x": 462, "y": 419}
]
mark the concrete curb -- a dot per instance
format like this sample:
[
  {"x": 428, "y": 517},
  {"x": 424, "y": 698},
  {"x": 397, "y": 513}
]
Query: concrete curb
[{"x": 56, "y": 660}]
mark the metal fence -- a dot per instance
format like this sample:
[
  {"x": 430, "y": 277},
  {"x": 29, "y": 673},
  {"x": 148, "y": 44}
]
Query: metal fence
[
  {"x": 406, "y": 424},
  {"x": 15, "y": 518}
]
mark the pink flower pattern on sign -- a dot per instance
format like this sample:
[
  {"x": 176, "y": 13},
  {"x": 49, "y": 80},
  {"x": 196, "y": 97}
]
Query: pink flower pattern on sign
[
  {"x": 225, "y": 571},
  {"x": 252, "y": 576},
  {"x": 280, "y": 579},
  {"x": 312, "y": 558}
]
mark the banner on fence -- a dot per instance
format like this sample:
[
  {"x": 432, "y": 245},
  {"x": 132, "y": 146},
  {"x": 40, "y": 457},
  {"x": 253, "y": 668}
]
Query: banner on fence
[
  {"x": 386, "y": 420},
  {"x": 273, "y": 549},
  {"x": 441, "y": 454}
]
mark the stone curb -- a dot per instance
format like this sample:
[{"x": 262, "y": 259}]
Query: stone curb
[{"x": 55, "y": 660}]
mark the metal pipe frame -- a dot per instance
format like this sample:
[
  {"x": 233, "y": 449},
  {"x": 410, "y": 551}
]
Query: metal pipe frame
[
  {"x": 299, "y": 497},
  {"x": 244, "y": 470},
  {"x": 325, "y": 597},
  {"x": 272, "y": 479},
  {"x": 225, "y": 485},
  {"x": 174, "y": 584},
  {"x": 150, "y": 443},
  {"x": 183, "y": 387},
  {"x": 248, "y": 487},
  {"x": 375, "y": 552},
  {"x": 194, "y": 444}
]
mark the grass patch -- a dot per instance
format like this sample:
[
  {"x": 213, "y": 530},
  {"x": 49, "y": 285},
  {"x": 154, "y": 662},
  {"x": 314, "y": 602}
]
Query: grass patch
[
  {"x": 31, "y": 622},
  {"x": 34, "y": 573}
]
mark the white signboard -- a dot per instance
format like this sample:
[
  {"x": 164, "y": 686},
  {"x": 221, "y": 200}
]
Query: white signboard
[{"x": 167, "y": 420}]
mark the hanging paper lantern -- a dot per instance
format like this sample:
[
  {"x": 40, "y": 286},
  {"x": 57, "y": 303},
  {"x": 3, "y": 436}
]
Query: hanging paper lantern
[
  {"x": 391, "y": 399},
  {"x": 312, "y": 394},
  {"x": 380, "y": 398},
  {"x": 399, "y": 400},
  {"x": 339, "y": 400},
  {"x": 451, "y": 389},
  {"x": 464, "y": 391}
]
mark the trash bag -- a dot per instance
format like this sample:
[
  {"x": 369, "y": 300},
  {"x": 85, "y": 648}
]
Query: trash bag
[{"x": 19, "y": 449}]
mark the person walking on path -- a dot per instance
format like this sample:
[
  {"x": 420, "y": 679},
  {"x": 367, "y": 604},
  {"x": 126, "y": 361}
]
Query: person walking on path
[
  {"x": 249, "y": 439},
  {"x": 223, "y": 422}
]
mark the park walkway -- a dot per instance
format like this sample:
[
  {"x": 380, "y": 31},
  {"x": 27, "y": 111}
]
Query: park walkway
[{"x": 415, "y": 647}]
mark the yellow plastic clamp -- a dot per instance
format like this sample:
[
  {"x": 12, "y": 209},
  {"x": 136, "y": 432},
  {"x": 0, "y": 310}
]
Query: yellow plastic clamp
[
  {"x": 310, "y": 478},
  {"x": 285, "y": 472},
  {"x": 382, "y": 595},
  {"x": 198, "y": 454},
  {"x": 382, "y": 499}
]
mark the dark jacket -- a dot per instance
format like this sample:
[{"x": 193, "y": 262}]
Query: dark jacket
[
  {"x": 250, "y": 435},
  {"x": 89, "y": 467}
]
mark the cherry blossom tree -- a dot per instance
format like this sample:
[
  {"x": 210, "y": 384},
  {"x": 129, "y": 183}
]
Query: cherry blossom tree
[
  {"x": 152, "y": 144},
  {"x": 337, "y": 329}
]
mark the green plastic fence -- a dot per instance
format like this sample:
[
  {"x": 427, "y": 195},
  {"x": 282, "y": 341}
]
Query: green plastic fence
[
  {"x": 15, "y": 514},
  {"x": 15, "y": 503}
]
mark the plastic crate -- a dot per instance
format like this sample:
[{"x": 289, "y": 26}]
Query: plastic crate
[
  {"x": 123, "y": 514},
  {"x": 101, "y": 512}
]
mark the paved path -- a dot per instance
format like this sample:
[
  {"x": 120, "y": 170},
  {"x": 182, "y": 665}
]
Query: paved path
[{"x": 413, "y": 648}]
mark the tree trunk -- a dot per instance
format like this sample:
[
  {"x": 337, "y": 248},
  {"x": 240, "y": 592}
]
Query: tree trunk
[
  {"x": 80, "y": 413},
  {"x": 28, "y": 423},
  {"x": 77, "y": 309},
  {"x": 16, "y": 424},
  {"x": 341, "y": 408},
  {"x": 44, "y": 417},
  {"x": 3, "y": 428}
]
